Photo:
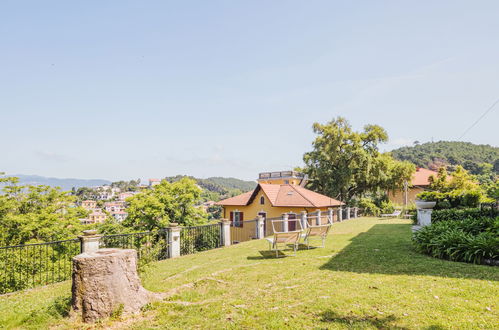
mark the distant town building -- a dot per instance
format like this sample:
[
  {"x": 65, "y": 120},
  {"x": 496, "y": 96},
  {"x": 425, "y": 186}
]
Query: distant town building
[
  {"x": 119, "y": 215},
  {"x": 154, "y": 182},
  {"x": 89, "y": 204},
  {"x": 96, "y": 216},
  {"x": 114, "y": 206},
  {"x": 124, "y": 195}
]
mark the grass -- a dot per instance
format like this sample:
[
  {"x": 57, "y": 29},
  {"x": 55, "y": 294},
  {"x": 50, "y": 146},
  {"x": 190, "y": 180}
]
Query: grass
[{"x": 368, "y": 276}]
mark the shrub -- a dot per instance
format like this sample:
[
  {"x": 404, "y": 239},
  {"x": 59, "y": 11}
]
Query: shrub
[
  {"x": 461, "y": 214},
  {"x": 469, "y": 239},
  {"x": 387, "y": 207},
  {"x": 368, "y": 207},
  {"x": 454, "y": 199}
]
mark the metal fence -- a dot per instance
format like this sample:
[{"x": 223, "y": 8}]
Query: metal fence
[
  {"x": 31, "y": 265},
  {"x": 150, "y": 245},
  {"x": 200, "y": 238},
  {"x": 245, "y": 231}
]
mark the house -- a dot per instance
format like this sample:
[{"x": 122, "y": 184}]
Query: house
[
  {"x": 154, "y": 182},
  {"x": 114, "y": 206},
  {"x": 89, "y": 204},
  {"x": 97, "y": 216},
  {"x": 420, "y": 182},
  {"x": 119, "y": 215},
  {"x": 273, "y": 197},
  {"x": 125, "y": 195}
]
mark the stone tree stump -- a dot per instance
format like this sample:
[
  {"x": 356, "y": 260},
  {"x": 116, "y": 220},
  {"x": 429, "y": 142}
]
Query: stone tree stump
[{"x": 105, "y": 281}]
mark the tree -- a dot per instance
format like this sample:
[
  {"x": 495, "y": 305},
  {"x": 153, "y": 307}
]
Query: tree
[
  {"x": 165, "y": 203},
  {"x": 345, "y": 164},
  {"x": 31, "y": 214}
]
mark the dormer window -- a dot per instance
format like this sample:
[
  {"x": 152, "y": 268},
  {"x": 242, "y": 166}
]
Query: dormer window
[{"x": 262, "y": 200}]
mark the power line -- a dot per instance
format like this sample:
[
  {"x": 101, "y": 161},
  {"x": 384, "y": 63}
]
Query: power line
[{"x": 476, "y": 122}]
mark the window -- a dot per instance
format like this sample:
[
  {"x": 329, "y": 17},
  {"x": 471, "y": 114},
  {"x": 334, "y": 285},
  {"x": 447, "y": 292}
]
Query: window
[
  {"x": 286, "y": 181},
  {"x": 262, "y": 200},
  {"x": 236, "y": 218}
]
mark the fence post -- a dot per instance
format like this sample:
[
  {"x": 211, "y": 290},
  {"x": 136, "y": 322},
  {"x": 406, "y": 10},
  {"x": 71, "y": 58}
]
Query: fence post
[
  {"x": 318, "y": 219},
  {"x": 89, "y": 241},
  {"x": 304, "y": 222},
  {"x": 259, "y": 227},
  {"x": 285, "y": 222},
  {"x": 355, "y": 210},
  {"x": 348, "y": 213},
  {"x": 225, "y": 232},
  {"x": 174, "y": 240},
  {"x": 330, "y": 215},
  {"x": 340, "y": 214}
]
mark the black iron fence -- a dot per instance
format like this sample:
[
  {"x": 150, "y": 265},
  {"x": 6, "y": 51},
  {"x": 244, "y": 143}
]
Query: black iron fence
[
  {"x": 30, "y": 265},
  {"x": 150, "y": 245},
  {"x": 200, "y": 238}
]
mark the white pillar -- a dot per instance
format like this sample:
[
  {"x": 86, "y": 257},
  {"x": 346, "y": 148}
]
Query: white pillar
[
  {"x": 318, "y": 219},
  {"x": 424, "y": 217},
  {"x": 340, "y": 214},
  {"x": 304, "y": 222},
  {"x": 355, "y": 210},
  {"x": 89, "y": 241},
  {"x": 285, "y": 222},
  {"x": 174, "y": 240},
  {"x": 260, "y": 229},
  {"x": 225, "y": 232},
  {"x": 348, "y": 213}
]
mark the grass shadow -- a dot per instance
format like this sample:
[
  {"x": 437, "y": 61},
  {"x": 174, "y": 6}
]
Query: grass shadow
[
  {"x": 388, "y": 249},
  {"x": 354, "y": 321}
]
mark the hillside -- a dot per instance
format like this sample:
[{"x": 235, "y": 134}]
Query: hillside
[
  {"x": 217, "y": 188},
  {"x": 433, "y": 155},
  {"x": 64, "y": 184}
]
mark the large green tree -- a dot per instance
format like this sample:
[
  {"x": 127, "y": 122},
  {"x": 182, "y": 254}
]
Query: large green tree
[
  {"x": 345, "y": 164},
  {"x": 165, "y": 203},
  {"x": 31, "y": 214}
]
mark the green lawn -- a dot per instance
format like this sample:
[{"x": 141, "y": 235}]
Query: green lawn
[{"x": 368, "y": 276}]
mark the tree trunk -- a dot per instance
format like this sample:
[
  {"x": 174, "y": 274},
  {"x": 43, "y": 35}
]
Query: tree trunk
[{"x": 106, "y": 282}]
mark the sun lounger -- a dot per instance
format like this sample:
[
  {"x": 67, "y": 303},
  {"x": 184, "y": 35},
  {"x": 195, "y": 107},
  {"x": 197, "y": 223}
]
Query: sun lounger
[
  {"x": 395, "y": 214},
  {"x": 284, "y": 238}
]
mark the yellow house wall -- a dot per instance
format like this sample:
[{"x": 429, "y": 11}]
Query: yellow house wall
[
  {"x": 397, "y": 196},
  {"x": 280, "y": 181},
  {"x": 251, "y": 211}
]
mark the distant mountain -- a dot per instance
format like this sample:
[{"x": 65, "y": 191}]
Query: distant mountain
[
  {"x": 64, "y": 184},
  {"x": 433, "y": 155},
  {"x": 220, "y": 187}
]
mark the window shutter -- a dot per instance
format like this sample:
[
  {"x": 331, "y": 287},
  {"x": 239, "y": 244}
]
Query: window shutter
[
  {"x": 241, "y": 218},
  {"x": 231, "y": 216}
]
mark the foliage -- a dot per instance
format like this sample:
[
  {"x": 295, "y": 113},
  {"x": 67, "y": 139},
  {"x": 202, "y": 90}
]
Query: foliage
[
  {"x": 462, "y": 214},
  {"x": 132, "y": 185},
  {"x": 368, "y": 207},
  {"x": 30, "y": 214},
  {"x": 345, "y": 164},
  {"x": 387, "y": 207},
  {"x": 453, "y": 199},
  {"x": 472, "y": 240},
  {"x": 459, "y": 191},
  {"x": 164, "y": 203},
  {"x": 214, "y": 212},
  {"x": 217, "y": 188},
  {"x": 433, "y": 155}
]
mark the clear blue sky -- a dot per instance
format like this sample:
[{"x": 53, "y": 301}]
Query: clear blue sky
[{"x": 127, "y": 89}]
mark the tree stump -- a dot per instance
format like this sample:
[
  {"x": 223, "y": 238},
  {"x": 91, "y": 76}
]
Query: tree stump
[{"x": 106, "y": 281}]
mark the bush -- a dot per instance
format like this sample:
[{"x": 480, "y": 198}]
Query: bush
[
  {"x": 461, "y": 214},
  {"x": 387, "y": 207},
  {"x": 470, "y": 239},
  {"x": 453, "y": 199},
  {"x": 368, "y": 207}
]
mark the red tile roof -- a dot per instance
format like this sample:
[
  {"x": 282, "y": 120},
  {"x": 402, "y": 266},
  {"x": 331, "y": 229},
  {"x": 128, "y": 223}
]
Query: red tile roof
[
  {"x": 421, "y": 177},
  {"x": 284, "y": 195}
]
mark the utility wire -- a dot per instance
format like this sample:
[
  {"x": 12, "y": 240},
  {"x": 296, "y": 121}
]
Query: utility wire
[{"x": 476, "y": 122}]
